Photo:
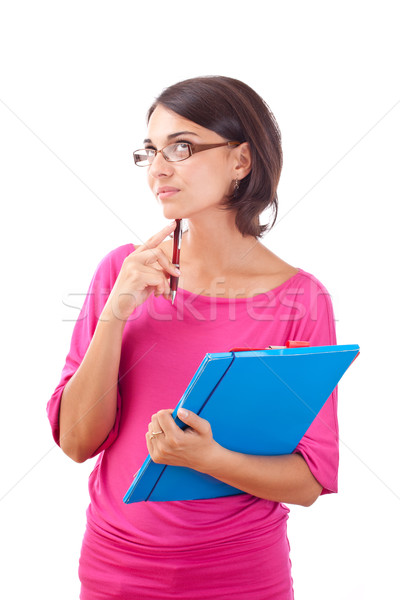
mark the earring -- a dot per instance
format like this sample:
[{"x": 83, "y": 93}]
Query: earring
[{"x": 236, "y": 186}]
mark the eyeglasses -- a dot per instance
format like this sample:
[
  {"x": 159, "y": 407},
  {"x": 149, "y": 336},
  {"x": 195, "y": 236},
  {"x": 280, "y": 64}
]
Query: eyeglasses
[{"x": 175, "y": 152}]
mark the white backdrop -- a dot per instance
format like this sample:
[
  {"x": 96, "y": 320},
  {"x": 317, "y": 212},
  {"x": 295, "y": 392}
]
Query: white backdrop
[{"x": 76, "y": 79}]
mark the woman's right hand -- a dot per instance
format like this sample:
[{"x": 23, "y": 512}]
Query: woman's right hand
[{"x": 145, "y": 271}]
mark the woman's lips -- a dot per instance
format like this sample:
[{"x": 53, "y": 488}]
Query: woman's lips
[{"x": 166, "y": 192}]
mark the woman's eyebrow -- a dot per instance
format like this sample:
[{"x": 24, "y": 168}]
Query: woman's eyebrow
[{"x": 173, "y": 135}]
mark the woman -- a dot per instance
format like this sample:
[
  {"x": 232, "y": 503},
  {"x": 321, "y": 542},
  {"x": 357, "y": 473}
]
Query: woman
[{"x": 213, "y": 157}]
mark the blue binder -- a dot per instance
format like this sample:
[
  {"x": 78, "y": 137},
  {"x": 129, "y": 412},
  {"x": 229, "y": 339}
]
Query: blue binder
[{"x": 258, "y": 402}]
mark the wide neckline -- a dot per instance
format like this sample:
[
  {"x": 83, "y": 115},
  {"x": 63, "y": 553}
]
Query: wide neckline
[
  {"x": 187, "y": 293},
  {"x": 225, "y": 299}
]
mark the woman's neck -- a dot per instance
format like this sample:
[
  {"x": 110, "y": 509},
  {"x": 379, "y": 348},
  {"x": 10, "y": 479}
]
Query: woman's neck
[
  {"x": 217, "y": 245},
  {"x": 217, "y": 260}
]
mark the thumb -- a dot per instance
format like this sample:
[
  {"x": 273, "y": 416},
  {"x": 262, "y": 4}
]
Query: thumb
[{"x": 194, "y": 421}]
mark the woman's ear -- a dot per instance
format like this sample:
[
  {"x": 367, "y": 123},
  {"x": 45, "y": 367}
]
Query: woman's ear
[{"x": 243, "y": 161}]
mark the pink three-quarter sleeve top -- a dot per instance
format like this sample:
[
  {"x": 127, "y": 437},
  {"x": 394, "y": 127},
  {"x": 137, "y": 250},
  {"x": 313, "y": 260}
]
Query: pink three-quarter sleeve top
[{"x": 149, "y": 547}]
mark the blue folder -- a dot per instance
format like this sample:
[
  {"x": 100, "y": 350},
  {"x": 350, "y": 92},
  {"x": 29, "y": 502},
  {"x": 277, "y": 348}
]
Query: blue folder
[{"x": 258, "y": 402}]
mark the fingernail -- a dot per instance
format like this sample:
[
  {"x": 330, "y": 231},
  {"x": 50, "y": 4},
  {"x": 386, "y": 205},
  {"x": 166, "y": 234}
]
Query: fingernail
[
  {"x": 177, "y": 271},
  {"x": 183, "y": 413}
]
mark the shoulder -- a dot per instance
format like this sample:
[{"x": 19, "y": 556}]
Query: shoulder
[
  {"x": 118, "y": 255},
  {"x": 110, "y": 265},
  {"x": 277, "y": 274},
  {"x": 309, "y": 281},
  {"x": 310, "y": 291},
  {"x": 315, "y": 291},
  {"x": 313, "y": 309}
]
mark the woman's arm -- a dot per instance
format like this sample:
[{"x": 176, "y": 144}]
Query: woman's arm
[
  {"x": 89, "y": 400},
  {"x": 284, "y": 478}
]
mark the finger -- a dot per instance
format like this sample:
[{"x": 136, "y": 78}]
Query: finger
[
  {"x": 152, "y": 434},
  {"x": 157, "y": 238},
  {"x": 190, "y": 418},
  {"x": 167, "y": 423},
  {"x": 154, "y": 422},
  {"x": 154, "y": 255},
  {"x": 150, "y": 278},
  {"x": 154, "y": 425},
  {"x": 149, "y": 443}
]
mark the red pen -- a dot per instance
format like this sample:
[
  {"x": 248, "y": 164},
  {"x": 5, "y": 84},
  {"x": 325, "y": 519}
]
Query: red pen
[{"x": 173, "y": 282}]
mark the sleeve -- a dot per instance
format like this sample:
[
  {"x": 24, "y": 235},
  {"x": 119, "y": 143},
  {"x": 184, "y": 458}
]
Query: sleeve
[
  {"x": 320, "y": 444},
  {"x": 96, "y": 298}
]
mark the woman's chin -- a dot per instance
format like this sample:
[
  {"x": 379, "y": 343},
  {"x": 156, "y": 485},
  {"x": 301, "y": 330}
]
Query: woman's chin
[{"x": 171, "y": 212}]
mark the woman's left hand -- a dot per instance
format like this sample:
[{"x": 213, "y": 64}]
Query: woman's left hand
[
  {"x": 193, "y": 447},
  {"x": 285, "y": 478}
]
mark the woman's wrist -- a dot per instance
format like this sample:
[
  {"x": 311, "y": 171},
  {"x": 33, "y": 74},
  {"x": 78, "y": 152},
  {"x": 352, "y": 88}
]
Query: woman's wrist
[
  {"x": 109, "y": 316},
  {"x": 213, "y": 460}
]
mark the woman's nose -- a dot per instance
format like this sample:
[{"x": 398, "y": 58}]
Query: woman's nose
[{"x": 160, "y": 167}]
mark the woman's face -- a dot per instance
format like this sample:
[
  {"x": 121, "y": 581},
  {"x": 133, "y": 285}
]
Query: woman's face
[{"x": 198, "y": 184}]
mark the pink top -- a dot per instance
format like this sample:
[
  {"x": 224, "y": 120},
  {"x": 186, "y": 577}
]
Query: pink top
[{"x": 162, "y": 347}]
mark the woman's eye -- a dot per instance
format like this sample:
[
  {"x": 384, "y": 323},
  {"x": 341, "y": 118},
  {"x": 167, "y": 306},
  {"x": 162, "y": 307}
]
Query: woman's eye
[{"x": 182, "y": 146}]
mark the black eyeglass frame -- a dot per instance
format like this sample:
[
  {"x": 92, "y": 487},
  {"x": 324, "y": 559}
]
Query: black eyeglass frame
[{"x": 193, "y": 149}]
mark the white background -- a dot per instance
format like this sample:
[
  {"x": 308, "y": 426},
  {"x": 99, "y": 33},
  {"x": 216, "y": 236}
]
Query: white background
[{"x": 76, "y": 79}]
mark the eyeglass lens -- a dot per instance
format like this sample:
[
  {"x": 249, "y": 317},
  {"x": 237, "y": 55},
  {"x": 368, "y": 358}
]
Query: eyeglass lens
[{"x": 172, "y": 152}]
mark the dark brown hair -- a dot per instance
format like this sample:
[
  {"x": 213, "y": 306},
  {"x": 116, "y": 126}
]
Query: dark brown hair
[{"x": 236, "y": 112}]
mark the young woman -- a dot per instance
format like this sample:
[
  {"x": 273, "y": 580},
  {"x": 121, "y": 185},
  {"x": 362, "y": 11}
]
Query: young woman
[{"x": 213, "y": 157}]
